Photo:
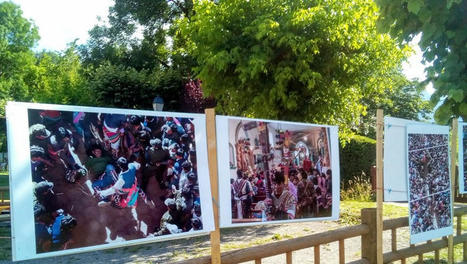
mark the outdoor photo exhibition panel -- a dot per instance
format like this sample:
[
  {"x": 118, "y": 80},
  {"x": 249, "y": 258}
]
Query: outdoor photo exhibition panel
[
  {"x": 429, "y": 192},
  {"x": 275, "y": 171},
  {"x": 462, "y": 157},
  {"x": 395, "y": 174},
  {"x": 85, "y": 178}
]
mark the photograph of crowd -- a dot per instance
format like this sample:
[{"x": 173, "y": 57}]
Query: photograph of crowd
[
  {"x": 279, "y": 171},
  {"x": 428, "y": 182},
  {"x": 430, "y": 213},
  {"x": 463, "y": 157},
  {"x": 101, "y": 178}
]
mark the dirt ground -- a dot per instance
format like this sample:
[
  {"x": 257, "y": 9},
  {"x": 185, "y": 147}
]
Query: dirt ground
[
  {"x": 232, "y": 238},
  {"x": 175, "y": 250}
]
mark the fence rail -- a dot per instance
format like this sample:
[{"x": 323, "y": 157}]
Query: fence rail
[
  {"x": 365, "y": 230},
  {"x": 419, "y": 250}
]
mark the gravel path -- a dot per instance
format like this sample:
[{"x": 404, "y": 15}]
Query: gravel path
[
  {"x": 176, "y": 250},
  {"x": 165, "y": 252}
]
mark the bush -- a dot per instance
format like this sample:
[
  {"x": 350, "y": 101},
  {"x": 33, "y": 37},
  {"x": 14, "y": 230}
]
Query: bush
[
  {"x": 358, "y": 189},
  {"x": 356, "y": 159}
]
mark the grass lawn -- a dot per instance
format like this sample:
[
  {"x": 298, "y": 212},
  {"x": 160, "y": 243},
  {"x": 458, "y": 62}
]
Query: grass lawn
[
  {"x": 349, "y": 215},
  {"x": 350, "y": 211},
  {"x": 4, "y": 182}
]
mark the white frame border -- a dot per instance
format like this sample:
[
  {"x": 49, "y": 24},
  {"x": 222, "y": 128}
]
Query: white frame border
[
  {"x": 225, "y": 215},
  {"x": 20, "y": 180},
  {"x": 445, "y": 231}
]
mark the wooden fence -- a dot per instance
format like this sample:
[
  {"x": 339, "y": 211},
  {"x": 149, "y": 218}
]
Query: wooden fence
[{"x": 366, "y": 230}]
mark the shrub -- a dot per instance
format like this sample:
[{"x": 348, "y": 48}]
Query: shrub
[
  {"x": 356, "y": 159},
  {"x": 358, "y": 189}
]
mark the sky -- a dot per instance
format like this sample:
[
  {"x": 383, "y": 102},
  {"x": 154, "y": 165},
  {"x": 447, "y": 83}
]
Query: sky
[{"x": 62, "y": 21}]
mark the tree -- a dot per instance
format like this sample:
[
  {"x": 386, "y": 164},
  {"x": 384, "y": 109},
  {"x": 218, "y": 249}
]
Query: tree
[
  {"x": 443, "y": 42},
  {"x": 311, "y": 61},
  {"x": 405, "y": 100},
  {"x": 125, "y": 87},
  {"x": 17, "y": 36},
  {"x": 59, "y": 78},
  {"x": 135, "y": 44}
]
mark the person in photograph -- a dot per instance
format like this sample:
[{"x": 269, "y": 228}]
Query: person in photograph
[
  {"x": 113, "y": 130},
  {"x": 39, "y": 164},
  {"x": 170, "y": 219},
  {"x": 242, "y": 195},
  {"x": 157, "y": 159},
  {"x": 125, "y": 191},
  {"x": 283, "y": 202},
  {"x": 101, "y": 170}
]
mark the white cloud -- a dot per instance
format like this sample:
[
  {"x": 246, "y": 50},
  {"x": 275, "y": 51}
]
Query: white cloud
[{"x": 63, "y": 21}]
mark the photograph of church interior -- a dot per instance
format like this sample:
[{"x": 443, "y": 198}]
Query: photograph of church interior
[{"x": 279, "y": 171}]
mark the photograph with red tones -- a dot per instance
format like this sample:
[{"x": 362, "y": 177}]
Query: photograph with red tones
[
  {"x": 105, "y": 177},
  {"x": 280, "y": 171}
]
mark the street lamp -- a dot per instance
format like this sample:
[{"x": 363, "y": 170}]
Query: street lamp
[{"x": 158, "y": 103}]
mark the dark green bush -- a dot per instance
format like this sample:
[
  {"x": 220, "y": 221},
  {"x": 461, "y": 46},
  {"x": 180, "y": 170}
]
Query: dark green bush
[{"x": 356, "y": 158}]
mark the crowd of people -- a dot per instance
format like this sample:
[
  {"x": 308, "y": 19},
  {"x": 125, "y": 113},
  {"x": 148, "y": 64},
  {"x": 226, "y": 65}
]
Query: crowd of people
[
  {"x": 424, "y": 141},
  {"x": 115, "y": 156},
  {"x": 429, "y": 186},
  {"x": 430, "y": 213},
  {"x": 464, "y": 142},
  {"x": 299, "y": 194},
  {"x": 428, "y": 165}
]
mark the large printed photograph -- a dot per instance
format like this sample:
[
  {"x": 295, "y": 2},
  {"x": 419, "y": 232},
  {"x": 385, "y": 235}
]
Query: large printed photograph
[
  {"x": 100, "y": 178},
  {"x": 462, "y": 157},
  {"x": 428, "y": 184},
  {"x": 279, "y": 171}
]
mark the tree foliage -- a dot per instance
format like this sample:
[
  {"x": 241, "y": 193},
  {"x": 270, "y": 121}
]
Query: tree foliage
[
  {"x": 405, "y": 100},
  {"x": 17, "y": 36},
  {"x": 443, "y": 42},
  {"x": 133, "y": 53},
  {"x": 47, "y": 77},
  {"x": 312, "y": 61},
  {"x": 58, "y": 77},
  {"x": 125, "y": 87}
]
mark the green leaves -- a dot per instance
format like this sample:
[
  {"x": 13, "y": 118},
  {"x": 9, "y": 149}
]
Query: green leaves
[
  {"x": 443, "y": 42},
  {"x": 414, "y": 6},
  {"x": 294, "y": 60}
]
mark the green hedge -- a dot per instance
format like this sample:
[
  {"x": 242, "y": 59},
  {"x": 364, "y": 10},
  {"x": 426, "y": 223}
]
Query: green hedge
[{"x": 357, "y": 157}]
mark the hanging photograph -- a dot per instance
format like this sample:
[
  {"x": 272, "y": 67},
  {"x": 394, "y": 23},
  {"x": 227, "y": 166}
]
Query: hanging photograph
[
  {"x": 274, "y": 171},
  {"x": 84, "y": 178},
  {"x": 462, "y": 157},
  {"x": 429, "y": 187}
]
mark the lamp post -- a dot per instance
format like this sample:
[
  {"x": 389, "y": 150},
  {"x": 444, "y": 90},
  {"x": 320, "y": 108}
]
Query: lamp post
[{"x": 158, "y": 103}]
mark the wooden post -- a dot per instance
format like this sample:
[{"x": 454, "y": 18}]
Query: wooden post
[
  {"x": 212, "y": 161},
  {"x": 316, "y": 254},
  {"x": 368, "y": 216},
  {"x": 394, "y": 240},
  {"x": 453, "y": 173},
  {"x": 288, "y": 257},
  {"x": 437, "y": 256},
  {"x": 257, "y": 261},
  {"x": 379, "y": 186},
  {"x": 341, "y": 252}
]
